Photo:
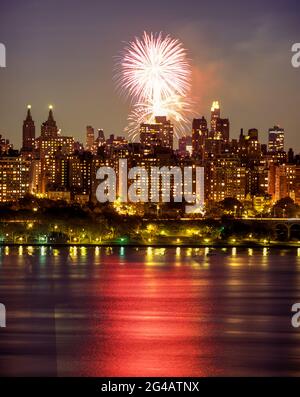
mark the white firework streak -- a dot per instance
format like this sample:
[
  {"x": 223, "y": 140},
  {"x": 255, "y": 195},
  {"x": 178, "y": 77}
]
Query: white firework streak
[
  {"x": 155, "y": 73},
  {"x": 176, "y": 108}
]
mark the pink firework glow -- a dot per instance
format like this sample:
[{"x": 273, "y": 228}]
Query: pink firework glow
[{"x": 155, "y": 73}]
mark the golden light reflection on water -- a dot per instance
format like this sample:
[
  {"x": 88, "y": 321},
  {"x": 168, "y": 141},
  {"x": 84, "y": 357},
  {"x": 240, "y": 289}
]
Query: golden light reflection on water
[
  {"x": 83, "y": 251},
  {"x": 195, "y": 264},
  {"x": 149, "y": 252},
  {"x": 108, "y": 251},
  {"x": 160, "y": 251},
  {"x": 149, "y": 257},
  {"x": 97, "y": 251},
  {"x": 30, "y": 250},
  {"x": 73, "y": 252},
  {"x": 234, "y": 261},
  {"x": 154, "y": 256}
]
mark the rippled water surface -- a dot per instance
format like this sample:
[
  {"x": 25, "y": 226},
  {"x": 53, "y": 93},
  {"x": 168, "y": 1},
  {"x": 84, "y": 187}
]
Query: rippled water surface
[{"x": 149, "y": 312}]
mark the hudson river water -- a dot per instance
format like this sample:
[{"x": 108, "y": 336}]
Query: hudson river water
[{"x": 149, "y": 312}]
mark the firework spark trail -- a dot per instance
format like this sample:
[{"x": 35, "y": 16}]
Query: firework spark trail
[
  {"x": 155, "y": 73},
  {"x": 176, "y": 108}
]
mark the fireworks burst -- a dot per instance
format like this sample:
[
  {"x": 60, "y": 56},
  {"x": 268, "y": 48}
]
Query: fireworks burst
[{"x": 155, "y": 73}]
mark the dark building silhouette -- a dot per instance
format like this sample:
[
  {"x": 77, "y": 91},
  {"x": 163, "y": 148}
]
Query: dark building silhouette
[
  {"x": 222, "y": 129},
  {"x": 49, "y": 128},
  {"x": 100, "y": 140},
  {"x": 199, "y": 135},
  {"x": 185, "y": 145}
]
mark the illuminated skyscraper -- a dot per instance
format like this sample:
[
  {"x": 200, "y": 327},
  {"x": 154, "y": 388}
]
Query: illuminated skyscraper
[
  {"x": 90, "y": 138},
  {"x": 252, "y": 144},
  {"x": 80, "y": 174},
  {"x": 282, "y": 181},
  {"x": 159, "y": 133},
  {"x": 166, "y": 131},
  {"x": 50, "y": 144},
  {"x": 276, "y": 139},
  {"x": 215, "y": 115},
  {"x": 225, "y": 177},
  {"x": 149, "y": 134},
  {"x": 14, "y": 176},
  {"x": 28, "y": 132}
]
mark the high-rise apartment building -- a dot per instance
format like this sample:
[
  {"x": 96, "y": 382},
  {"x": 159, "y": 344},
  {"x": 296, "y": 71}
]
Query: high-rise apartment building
[
  {"x": 90, "y": 139},
  {"x": 225, "y": 177},
  {"x": 159, "y": 133},
  {"x": 14, "y": 177},
  {"x": 276, "y": 139}
]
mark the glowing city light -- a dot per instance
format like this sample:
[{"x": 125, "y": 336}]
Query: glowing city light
[
  {"x": 155, "y": 73},
  {"x": 215, "y": 106}
]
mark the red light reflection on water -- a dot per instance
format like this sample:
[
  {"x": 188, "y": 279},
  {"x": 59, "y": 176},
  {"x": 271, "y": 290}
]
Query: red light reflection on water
[{"x": 147, "y": 323}]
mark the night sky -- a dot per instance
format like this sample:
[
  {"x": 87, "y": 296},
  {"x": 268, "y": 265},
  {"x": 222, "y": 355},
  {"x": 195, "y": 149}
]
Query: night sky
[{"x": 61, "y": 52}]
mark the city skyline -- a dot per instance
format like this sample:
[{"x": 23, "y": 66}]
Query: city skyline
[
  {"x": 250, "y": 73},
  {"x": 56, "y": 166},
  {"x": 263, "y": 134}
]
